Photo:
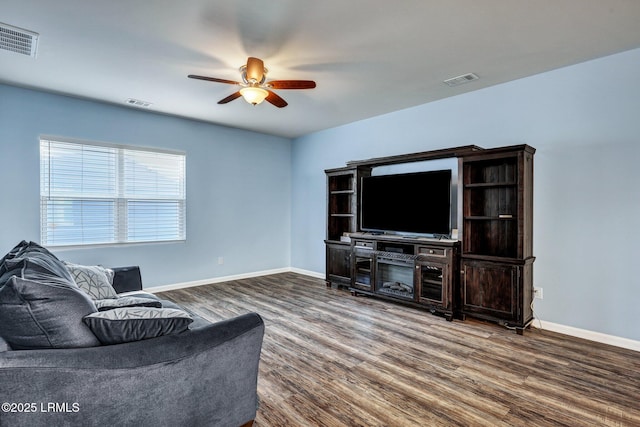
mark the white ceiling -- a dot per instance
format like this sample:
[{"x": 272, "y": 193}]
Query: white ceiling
[{"x": 368, "y": 57}]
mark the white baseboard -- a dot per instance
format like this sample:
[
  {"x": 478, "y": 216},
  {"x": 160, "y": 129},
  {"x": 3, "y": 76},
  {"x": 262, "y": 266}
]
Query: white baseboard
[
  {"x": 308, "y": 273},
  {"x": 183, "y": 285},
  {"x": 588, "y": 335},
  {"x": 542, "y": 324}
]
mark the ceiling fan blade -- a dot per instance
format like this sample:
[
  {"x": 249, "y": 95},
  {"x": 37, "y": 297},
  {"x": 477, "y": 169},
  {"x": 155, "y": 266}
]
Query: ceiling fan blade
[
  {"x": 291, "y": 84},
  {"x": 213, "y": 79},
  {"x": 230, "y": 98},
  {"x": 276, "y": 100},
  {"x": 255, "y": 69}
]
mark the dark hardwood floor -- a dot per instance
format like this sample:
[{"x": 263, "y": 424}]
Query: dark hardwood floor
[{"x": 331, "y": 359}]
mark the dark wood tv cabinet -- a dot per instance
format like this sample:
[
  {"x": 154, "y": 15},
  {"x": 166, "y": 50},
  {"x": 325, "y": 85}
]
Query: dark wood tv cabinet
[
  {"x": 414, "y": 271},
  {"x": 486, "y": 271}
]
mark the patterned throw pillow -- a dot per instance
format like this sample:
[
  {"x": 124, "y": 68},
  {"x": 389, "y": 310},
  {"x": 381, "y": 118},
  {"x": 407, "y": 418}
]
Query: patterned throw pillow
[
  {"x": 136, "y": 323},
  {"x": 95, "y": 280}
]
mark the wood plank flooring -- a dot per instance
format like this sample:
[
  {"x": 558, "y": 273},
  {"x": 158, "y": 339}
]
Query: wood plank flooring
[{"x": 332, "y": 359}]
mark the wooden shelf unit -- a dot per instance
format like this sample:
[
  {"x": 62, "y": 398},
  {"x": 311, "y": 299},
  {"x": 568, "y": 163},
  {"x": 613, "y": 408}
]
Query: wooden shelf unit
[
  {"x": 497, "y": 235},
  {"x": 342, "y": 220}
]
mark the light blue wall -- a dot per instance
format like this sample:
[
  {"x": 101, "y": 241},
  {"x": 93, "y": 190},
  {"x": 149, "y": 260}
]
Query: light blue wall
[
  {"x": 238, "y": 186},
  {"x": 583, "y": 121}
]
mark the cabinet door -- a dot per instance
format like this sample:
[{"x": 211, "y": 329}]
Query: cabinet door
[
  {"x": 339, "y": 264},
  {"x": 432, "y": 279},
  {"x": 490, "y": 289},
  {"x": 363, "y": 270}
]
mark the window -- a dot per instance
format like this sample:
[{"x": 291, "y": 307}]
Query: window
[{"x": 101, "y": 194}]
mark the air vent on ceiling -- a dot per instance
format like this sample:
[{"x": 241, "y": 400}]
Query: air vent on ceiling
[
  {"x": 465, "y": 78},
  {"x": 138, "y": 103},
  {"x": 18, "y": 40}
]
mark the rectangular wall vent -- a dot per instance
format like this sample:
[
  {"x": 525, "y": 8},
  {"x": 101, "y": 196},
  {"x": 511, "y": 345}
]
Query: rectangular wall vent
[
  {"x": 465, "y": 78},
  {"x": 138, "y": 103},
  {"x": 18, "y": 40}
]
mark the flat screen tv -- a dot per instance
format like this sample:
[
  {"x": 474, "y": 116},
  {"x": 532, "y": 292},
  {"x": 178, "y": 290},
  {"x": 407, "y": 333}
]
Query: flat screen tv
[{"x": 409, "y": 203}]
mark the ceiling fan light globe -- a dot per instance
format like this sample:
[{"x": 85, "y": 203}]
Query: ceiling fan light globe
[{"x": 254, "y": 95}]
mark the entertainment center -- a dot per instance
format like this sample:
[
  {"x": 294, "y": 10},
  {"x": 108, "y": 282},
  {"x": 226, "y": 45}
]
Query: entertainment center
[{"x": 391, "y": 235}]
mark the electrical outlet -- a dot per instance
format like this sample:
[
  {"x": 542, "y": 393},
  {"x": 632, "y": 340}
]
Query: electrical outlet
[
  {"x": 220, "y": 260},
  {"x": 537, "y": 293}
]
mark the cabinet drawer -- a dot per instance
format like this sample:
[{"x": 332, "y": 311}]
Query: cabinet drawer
[
  {"x": 431, "y": 251},
  {"x": 367, "y": 244}
]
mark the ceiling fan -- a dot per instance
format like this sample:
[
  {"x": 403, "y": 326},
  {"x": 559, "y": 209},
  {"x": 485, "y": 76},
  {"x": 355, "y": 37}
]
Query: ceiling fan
[{"x": 255, "y": 88}]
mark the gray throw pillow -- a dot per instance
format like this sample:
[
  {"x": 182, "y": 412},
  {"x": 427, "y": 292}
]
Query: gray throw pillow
[
  {"x": 111, "y": 303},
  {"x": 136, "y": 323},
  {"x": 40, "y": 304},
  {"x": 95, "y": 280},
  {"x": 44, "y": 314}
]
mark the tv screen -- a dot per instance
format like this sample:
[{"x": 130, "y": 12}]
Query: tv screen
[{"x": 413, "y": 203}]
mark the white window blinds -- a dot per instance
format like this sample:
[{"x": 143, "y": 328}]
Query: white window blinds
[{"x": 98, "y": 194}]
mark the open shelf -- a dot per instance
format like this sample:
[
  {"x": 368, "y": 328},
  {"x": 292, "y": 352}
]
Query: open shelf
[
  {"x": 342, "y": 201},
  {"x": 341, "y": 183},
  {"x": 500, "y": 171},
  {"x": 491, "y": 201}
]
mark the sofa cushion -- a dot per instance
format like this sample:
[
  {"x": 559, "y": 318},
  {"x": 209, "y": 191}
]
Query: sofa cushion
[
  {"x": 29, "y": 260},
  {"x": 95, "y": 280},
  {"x": 44, "y": 314},
  {"x": 136, "y": 323},
  {"x": 127, "y": 279},
  {"x": 111, "y": 303},
  {"x": 40, "y": 304}
]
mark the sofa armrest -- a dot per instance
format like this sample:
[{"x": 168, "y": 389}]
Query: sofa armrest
[
  {"x": 127, "y": 279},
  {"x": 206, "y": 376}
]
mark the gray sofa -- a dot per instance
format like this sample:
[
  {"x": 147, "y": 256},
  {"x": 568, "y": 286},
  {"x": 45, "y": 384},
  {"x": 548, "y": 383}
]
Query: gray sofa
[{"x": 204, "y": 376}]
